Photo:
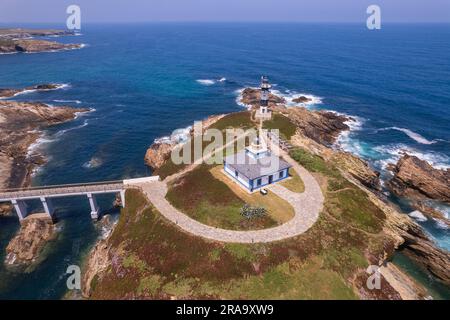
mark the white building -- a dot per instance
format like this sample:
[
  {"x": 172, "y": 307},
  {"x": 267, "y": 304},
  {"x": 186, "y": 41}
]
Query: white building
[{"x": 256, "y": 167}]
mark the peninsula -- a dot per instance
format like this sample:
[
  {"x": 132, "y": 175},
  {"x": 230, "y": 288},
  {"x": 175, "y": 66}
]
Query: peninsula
[
  {"x": 200, "y": 246},
  {"x": 24, "y": 40}
]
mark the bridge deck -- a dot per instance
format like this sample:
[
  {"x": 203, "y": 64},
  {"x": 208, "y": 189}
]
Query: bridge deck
[{"x": 61, "y": 190}]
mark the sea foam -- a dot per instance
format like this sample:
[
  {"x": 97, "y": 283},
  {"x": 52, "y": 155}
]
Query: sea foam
[
  {"x": 413, "y": 135},
  {"x": 210, "y": 82}
]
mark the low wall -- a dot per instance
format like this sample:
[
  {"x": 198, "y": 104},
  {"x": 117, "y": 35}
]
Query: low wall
[{"x": 131, "y": 182}]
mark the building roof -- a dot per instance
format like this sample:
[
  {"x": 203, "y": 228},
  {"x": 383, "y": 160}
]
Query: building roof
[{"x": 255, "y": 168}]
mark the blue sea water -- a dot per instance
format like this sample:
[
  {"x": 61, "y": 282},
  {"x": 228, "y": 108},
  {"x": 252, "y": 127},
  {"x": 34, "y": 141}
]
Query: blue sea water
[{"x": 142, "y": 80}]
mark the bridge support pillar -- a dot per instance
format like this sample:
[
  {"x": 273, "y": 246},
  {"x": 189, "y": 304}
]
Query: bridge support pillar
[
  {"x": 122, "y": 198},
  {"x": 94, "y": 206},
  {"x": 48, "y": 207},
  {"x": 21, "y": 208}
]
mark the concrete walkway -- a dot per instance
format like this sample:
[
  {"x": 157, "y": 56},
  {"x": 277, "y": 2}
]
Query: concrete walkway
[{"x": 307, "y": 206}]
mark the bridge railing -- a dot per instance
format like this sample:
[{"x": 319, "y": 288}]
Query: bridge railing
[{"x": 62, "y": 186}]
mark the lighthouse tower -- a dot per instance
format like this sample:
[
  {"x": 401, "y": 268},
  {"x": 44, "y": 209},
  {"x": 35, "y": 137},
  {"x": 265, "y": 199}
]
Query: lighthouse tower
[{"x": 263, "y": 111}]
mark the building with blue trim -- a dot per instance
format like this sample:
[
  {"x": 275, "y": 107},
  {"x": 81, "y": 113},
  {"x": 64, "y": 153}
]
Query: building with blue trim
[{"x": 256, "y": 167}]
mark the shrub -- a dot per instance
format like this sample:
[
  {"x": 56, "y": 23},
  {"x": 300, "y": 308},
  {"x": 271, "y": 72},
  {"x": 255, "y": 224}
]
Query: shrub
[{"x": 250, "y": 212}]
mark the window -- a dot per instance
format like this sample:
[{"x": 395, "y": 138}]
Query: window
[{"x": 281, "y": 174}]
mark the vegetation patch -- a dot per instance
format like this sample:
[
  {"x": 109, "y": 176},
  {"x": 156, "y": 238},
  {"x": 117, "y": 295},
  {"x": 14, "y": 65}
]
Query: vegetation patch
[
  {"x": 208, "y": 200},
  {"x": 283, "y": 124},
  {"x": 152, "y": 258},
  {"x": 278, "y": 209},
  {"x": 294, "y": 183},
  {"x": 238, "y": 120},
  {"x": 235, "y": 120}
]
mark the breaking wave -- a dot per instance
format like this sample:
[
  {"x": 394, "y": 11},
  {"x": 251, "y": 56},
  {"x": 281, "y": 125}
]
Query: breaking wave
[
  {"x": 68, "y": 101},
  {"x": 413, "y": 135},
  {"x": 181, "y": 135},
  {"x": 391, "y": 153},
  {"x": 210, "y": 82},
  {"x": 94, "y": 162},
  {"x": 290, "y": 96}
]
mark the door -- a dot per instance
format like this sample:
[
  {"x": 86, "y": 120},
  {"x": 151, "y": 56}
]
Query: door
[{"x": 270, "y": 179}]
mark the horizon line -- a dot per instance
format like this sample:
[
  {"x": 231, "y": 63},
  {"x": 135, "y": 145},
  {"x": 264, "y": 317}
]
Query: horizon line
[{"x": 226, "y": 21}]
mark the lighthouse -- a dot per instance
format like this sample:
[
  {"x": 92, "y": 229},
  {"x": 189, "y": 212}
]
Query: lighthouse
[{"x": 263, "y": 111}]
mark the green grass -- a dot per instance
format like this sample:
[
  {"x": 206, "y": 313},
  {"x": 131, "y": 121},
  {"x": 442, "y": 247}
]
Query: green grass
[
  {"x": 294, "y": 183},
  {"x": 313, "y": 163},
  {"x": 354, "y": 207},
  {"x": 234, "y": 120},
  {"x": 153, "y": 259},
  {"x": 283, "y": 124},
  {"x": 208, "y": 200}
]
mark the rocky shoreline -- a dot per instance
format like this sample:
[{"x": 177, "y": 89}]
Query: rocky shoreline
[
  {"x": 21, "y": 124},
  {"x": 317, "y": 131},
  {"x": 21, "y": 40}
]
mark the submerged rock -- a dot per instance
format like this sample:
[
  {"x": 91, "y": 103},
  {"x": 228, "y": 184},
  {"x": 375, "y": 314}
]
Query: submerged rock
[
  {"x": 302, "y": 99},
  {"x": 417, "y": 179},
  {"x": 25, "y": 248}
]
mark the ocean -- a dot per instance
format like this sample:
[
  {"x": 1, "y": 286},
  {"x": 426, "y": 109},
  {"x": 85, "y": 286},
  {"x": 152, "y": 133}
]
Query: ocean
[{"x": 146, "y": 80}]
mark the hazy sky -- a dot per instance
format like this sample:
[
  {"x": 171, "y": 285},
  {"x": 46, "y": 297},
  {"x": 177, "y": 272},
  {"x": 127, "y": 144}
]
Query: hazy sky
[{"x": 225, "y": 10}]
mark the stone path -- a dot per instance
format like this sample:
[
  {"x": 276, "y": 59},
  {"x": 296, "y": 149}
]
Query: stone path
[{"x": 307, "y": 206}]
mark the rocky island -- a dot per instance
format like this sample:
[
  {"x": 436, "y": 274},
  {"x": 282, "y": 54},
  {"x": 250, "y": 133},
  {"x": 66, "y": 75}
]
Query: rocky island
[
  {"x": 358, "y": 227},
  {"x": 22, "y": 40}
]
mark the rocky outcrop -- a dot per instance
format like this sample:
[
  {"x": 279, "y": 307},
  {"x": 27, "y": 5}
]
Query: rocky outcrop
[
  {"x": 157, "y": 154},
  {"x": 350, "y": 165},
  {"x": 410, "y": 238},
  {"x": 302, "y": 99},
  {"x": 19, "y": 33},
  {"x": 20, "y": 125},
  {"x": 25, "y": 248},
  {"x": 5, "y": 209},
  {"x": 321, "y": 126},
  {"x": 252, "y": 97},
  {"x": 19, "y": 40},
  {"x": 42, "y": 46},
  {"x": 358, "y": 169},
  {"x": 430, "y": 213},
  {"x": 8, "y": 93},
  {"x": 417, "y": 179},
  {"x": 424, "y": 252}
]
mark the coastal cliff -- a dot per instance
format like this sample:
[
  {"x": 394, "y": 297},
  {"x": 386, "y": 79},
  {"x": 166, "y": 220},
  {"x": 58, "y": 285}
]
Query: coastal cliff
[{"x": 18, "y": 40}]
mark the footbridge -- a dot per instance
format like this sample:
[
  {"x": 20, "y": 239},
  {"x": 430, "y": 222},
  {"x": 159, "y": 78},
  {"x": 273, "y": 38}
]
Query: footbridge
[{"x": 45, "y": 194}]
